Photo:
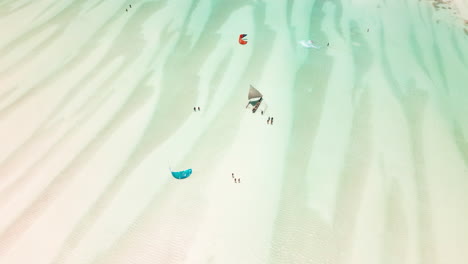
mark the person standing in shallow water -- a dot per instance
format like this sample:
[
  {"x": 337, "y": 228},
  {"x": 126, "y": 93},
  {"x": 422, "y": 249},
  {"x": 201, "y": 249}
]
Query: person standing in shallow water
[
  {"x": 268, "y": 120},
  {"x": 198, "y": 108},
  {"x": 271, "y": 122},
  {"x": 232, "y": 175},
  {"x": 194, "y": 109}
]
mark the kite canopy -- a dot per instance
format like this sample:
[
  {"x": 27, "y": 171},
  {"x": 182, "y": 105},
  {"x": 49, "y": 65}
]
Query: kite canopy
[
  {"x": 255, "y": 98},
  {"x": 309, "y": 44},
  {"x": 254, "y": 94},
  {"x": 242, "y": 41},
  {"x": 182, "y": 174}
]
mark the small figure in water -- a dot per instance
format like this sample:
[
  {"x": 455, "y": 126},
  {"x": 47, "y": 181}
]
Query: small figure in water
[
  {"x": 268, "y": 120},
  {"x": 194, "y": 109},
  {"x": 271, "y": 122},
  {"x": 328, "y": 44},
  {"x": 235, "y": 180},
  {"x": 126, "y": 10},
  {"x": 130, "y": 6},
  {"x": 367, "y": 30},
  {"x": 238, "y": 180},
  {"x": 198, "y": 108},
  {"x": 233, "y": 175},
  {"x": 261, "y": 112}
]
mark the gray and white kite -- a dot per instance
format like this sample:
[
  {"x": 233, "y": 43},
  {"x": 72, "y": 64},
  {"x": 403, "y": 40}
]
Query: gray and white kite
[{"x": 309, "y": 44}]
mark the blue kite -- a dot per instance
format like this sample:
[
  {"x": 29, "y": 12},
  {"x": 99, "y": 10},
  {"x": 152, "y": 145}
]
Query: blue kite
[{"x": 181, "y": 174}]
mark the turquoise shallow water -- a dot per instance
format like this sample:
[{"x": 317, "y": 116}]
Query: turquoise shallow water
[{"x": 366, "y": 163}]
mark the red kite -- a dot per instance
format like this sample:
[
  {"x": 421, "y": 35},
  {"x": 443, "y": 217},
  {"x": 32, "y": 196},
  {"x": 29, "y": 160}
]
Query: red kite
[{"x": 241, "y": 39}]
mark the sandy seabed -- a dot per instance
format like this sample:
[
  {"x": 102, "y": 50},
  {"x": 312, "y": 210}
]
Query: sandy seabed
[{"x": 366, "y": 162}]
